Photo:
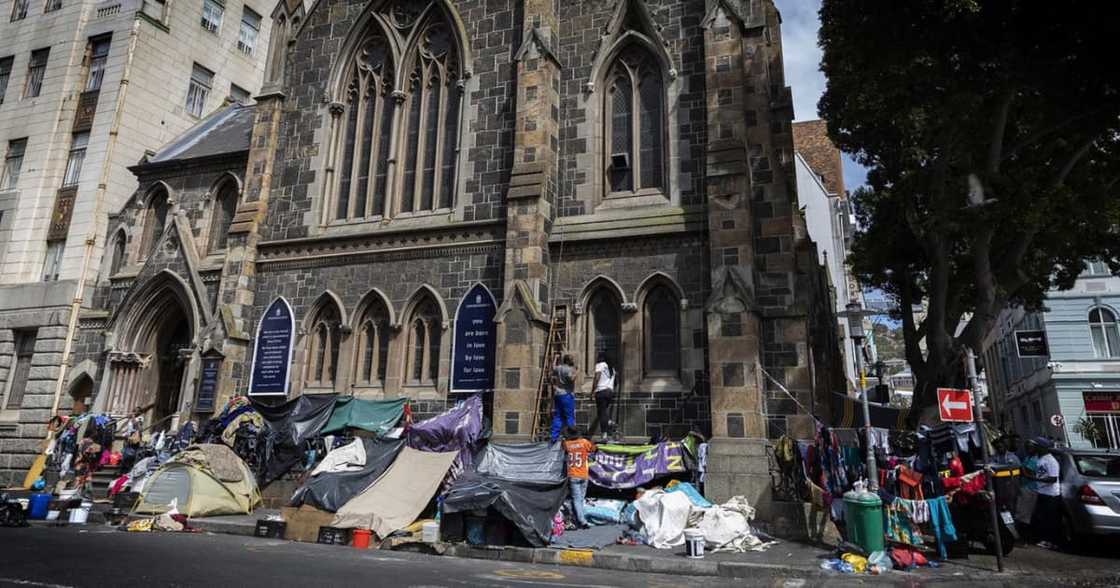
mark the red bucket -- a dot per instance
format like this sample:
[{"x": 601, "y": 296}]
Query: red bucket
[{"x": 360, "y": 539}]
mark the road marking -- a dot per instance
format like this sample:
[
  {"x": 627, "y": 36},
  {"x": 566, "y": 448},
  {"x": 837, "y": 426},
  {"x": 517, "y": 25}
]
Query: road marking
[
  {"x": 530, "y": 574},
  {"x": 577, "y": 557},
  {"x": 19, "y": 582}
]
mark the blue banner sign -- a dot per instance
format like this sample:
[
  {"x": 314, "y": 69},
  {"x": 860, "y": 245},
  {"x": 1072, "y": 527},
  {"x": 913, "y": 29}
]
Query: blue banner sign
[
  {"x": 272, "y": 351},
  {"x": 472, "y": 355}
]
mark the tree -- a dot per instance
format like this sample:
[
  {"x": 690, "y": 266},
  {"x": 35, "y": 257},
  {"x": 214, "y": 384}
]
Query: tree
[{"x": 991, "y": 131}]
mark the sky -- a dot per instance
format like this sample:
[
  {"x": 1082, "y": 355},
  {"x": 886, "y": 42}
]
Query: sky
[{"x": 800, "y": 24}]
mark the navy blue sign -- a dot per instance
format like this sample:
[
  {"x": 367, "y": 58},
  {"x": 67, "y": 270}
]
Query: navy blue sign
[
  {"x": 208, "y": 383},
  {"x": 472, "y": 355},
  {"x": 272, "y": 351}
]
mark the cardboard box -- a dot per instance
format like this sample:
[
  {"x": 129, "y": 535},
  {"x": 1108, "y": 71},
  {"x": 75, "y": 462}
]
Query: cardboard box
[{"x": 304, "y": 522}]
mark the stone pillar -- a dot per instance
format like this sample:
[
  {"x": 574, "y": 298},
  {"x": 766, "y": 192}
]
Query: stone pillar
[
  {"x": 756, "y": 325},
  {"x": 522, "y": 321},
  {"x": 237, "y": 288}
]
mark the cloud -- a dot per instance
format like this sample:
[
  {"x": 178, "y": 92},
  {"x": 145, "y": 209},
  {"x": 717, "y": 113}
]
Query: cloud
[{"x": 802, "y": 56}]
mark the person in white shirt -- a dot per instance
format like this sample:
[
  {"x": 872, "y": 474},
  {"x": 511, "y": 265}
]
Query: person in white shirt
[
  {"x": 603, "y": 387},
  {"x": 1047, "y": 509}
]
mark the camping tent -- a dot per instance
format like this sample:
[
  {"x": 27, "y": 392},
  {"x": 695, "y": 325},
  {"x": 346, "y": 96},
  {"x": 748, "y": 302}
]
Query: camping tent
[
  {"x": 202, "y": 480},
  {"x": 399, "y": 495},
  {"x": 330, "y": 490}
]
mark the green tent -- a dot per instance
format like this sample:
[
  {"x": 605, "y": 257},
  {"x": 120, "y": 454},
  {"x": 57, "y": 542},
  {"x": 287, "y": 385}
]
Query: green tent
[{"x": 375, "y": 416}]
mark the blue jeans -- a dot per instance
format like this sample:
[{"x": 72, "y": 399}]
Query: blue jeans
[
  {"x": 563, "y": 413},
  {"x": 579, "y": 493}
]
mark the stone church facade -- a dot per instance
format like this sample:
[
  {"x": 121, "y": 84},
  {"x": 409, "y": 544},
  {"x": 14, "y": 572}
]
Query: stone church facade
[{"x": 627, "y": 163}]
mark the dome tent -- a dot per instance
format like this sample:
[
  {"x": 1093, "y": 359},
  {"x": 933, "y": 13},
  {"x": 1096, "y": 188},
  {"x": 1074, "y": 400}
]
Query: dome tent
[{"x": 202, "y": 480}]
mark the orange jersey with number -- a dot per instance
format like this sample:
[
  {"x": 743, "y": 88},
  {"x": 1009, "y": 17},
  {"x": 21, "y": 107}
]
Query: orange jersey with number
[{"x": 578, "y": 451}]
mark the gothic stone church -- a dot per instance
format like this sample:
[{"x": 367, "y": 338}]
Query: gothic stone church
[{"x": 627, "y": 163}]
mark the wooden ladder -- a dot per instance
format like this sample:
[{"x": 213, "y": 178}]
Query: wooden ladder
[{"x": 554, "y": 347}]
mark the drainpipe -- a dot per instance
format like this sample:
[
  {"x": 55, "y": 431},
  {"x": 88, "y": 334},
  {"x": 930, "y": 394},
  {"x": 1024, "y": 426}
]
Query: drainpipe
[{"x": 99, "y": 200}]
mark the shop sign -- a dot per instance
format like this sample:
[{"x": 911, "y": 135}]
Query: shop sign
[
  {"x": 1102, "y": 401},
  {"x": 1031, "y": 344}
]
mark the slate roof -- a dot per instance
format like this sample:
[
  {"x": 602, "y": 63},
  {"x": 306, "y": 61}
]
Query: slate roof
[{"x": 226, "y": 131}]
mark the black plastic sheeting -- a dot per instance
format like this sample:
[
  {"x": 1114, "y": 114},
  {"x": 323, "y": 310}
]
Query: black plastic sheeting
[
  {"x": 524, "y": 462},
  {"x": 291, "y": 424},
  {"x": 530, "y": 506},
  {"x": 329, "y": 491}
]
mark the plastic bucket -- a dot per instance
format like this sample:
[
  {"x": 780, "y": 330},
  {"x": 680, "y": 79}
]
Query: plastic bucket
[
  {"x": 694, "y": 543},
  {"x": 360, "y": 539},
  {"x": 429, "y": 532},
  {"x": 80, "y": 515},
  {"x": 37, "y": 506}
]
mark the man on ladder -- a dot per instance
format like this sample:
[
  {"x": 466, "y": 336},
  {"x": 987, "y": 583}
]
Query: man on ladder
[{"x": 563, "y": 396}]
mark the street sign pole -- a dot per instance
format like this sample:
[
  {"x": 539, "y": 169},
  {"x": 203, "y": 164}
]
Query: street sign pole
[{"x": 972, "y": 383}]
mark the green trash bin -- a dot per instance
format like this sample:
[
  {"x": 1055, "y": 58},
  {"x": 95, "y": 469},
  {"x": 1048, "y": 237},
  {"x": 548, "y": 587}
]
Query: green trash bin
[{"x": 864, "y": 516}]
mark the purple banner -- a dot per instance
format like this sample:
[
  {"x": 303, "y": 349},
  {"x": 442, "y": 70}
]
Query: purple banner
[{"x": 630, "y": 469}]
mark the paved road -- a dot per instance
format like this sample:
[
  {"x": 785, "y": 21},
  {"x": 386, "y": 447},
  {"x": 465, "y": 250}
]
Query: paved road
[{"x": 99, "y": 556}]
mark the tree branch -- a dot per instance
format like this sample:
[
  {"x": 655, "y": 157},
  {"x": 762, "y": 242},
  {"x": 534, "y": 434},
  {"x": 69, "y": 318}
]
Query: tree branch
[
  {"x": 1072, "y": 161},
  {"x": 999, "y": 129},
  {"x": 909, "y": 331}
]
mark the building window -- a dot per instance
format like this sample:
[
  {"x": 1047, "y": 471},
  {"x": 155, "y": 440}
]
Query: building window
[
  {"x": 155, "y": 220},
  {"x": 118, "y": 259},
  {"x": 425, "y": 336},
  {"x": 75, "y": 160},
  {"x": 212, "y": 12},
  {"x": 238, "y": 95},
  {"x": 225, "y": 207},
  {"x": 52, "y": 263},
  {"x": 323, "y": 345},
  {"x": 604, "y": 328},
  {"x": 373, "y": 346},
  {"x": 25, "y": 350},
  {"x": 635, "y": 123},
  {"x": 13, "y": 163},
  {"x": 98, "y": 56},
  {"x": 5, "y": 75},
  {"x": 427, "y": 129},
  {"x": 52, "y": 5},
  {"x": 19, "y": 9},
  {"x": 662, "y": 333},
  {"x": 199, "y": 89},
  {"x": 1105, "y": 331},
  {"x": 36, "y": 69},
  {"x": 1097, "y": 268},
  {"x": 250, "y": 28}
]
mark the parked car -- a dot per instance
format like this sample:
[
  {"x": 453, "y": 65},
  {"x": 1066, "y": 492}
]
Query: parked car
[{"x": 1090, "y": 481}]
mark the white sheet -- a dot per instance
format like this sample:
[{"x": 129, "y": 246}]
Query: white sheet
[
  {"x": 664, "y": 517},
  {"x": 348, "y": 458}
]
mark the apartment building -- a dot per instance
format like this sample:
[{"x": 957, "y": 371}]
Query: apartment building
[{"x": 86, "y": 90}]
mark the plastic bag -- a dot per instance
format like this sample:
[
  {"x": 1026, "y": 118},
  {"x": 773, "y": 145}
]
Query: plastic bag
[
  {"x": 858, "y": 562},
  {"x": 837, "y": 565}
]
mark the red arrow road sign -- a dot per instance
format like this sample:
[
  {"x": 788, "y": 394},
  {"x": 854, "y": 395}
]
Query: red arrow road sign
[{"x": 954, "y": 405}]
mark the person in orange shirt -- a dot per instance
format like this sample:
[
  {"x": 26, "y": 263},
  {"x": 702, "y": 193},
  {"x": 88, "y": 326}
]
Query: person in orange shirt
[{"x": 578, "y": 452}]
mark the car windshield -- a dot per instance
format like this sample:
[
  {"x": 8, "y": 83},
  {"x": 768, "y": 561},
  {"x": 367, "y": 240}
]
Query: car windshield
[{"x": 1097, "y": 465}]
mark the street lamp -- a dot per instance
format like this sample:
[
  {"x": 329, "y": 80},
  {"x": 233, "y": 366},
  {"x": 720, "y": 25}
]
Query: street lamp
[{"x": 855, "y": 331}]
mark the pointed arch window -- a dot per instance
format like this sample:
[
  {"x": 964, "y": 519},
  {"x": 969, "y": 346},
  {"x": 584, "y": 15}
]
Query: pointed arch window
[
  {"x": 425, "y": 333},
  {"x": 661, "y": 332},
  {"x": 155, "y": 221},
  {"x": 604, "y": 328},
  {"x": 118, "y": 257},
  {"x": 225, "y": 207},
  {"x": 373, "y": 346},
  {"x": 324, "y": 339},
  {"x": 635, "y": 123},
  {"x": 397, "y": 141}
]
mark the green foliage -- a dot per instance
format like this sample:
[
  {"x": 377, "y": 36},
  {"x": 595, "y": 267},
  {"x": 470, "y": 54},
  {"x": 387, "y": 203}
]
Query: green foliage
[{"x": 992, "y": 135}]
